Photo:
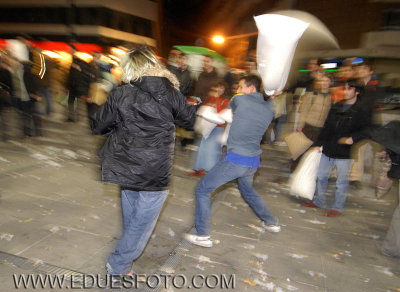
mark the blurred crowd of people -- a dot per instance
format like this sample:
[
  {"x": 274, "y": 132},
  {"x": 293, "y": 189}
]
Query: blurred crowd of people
[
  {"x": 30, "y": 81},
  {"x": 322, "y": 111}
]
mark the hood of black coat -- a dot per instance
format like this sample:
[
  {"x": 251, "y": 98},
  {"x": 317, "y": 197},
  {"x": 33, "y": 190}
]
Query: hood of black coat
[
  {"x": 156, "y": 82},
  {"x": 154, "y": 85}
]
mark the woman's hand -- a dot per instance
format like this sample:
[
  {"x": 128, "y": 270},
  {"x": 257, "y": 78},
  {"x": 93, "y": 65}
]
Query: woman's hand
[
  {"x": 315, "y": 148},
  {"x": 346, "y": 141}
]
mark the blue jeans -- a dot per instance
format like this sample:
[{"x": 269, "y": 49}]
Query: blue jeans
[
  {"x": 209, "y": 150},
  {"x": 342, "y": 182},
  {"x": 222, "y": 173},
  {"x": 47, "y": 96},
  {"x": 140, "y": 212}
]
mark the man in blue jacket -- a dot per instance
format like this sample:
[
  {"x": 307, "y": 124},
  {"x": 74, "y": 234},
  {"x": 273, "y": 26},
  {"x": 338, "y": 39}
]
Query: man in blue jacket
[{"x": 251, "y": 117}]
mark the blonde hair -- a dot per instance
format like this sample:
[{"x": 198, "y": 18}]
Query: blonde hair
[{"x": 137, "y": 62}]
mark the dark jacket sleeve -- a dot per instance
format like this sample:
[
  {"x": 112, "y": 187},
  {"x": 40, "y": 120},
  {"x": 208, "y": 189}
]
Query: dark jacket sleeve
[
  {"x": 6, "y": 81},
  {"x": 364, "y": 123},
  {"x": 186, "y": 86},
  {"x": 184, "y": 114},
  {"x": 106, "y": 118},
  {"x": 30, "y": 80}
]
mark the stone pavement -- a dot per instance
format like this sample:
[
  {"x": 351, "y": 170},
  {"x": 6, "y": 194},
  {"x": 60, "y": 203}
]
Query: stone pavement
[{"x": 57, "y": 217}]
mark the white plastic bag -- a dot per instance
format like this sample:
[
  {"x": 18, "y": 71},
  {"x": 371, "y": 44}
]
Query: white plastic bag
[
  {"x": 304, "y": 180},
  {"x": 18, "y": 50},
  {"x": 226, "y": 115},
  {"x": 210, "y": 114},
  {"x": 277, "y": 40},
  {"x": 223, "y": 139},
  {"x": 203, "y": 127}
]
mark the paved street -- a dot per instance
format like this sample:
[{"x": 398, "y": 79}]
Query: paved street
[{"x": 57, "y": 217}]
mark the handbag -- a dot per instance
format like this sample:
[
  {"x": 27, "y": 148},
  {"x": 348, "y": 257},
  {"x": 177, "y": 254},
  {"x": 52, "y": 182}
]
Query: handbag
[
  {"x": 303, "y": 182},
  {"x": 297, "y": 143}
]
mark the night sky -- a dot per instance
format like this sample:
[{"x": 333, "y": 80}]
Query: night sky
[{"x": 186, "y": 22}]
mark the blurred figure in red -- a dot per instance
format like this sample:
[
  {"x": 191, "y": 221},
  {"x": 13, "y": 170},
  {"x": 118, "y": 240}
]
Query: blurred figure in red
[{"x": 209, "y": 152}]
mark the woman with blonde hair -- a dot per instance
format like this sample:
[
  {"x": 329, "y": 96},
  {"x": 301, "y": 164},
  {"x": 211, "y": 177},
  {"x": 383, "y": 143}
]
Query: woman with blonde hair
[{"x": 139, "y": 120}]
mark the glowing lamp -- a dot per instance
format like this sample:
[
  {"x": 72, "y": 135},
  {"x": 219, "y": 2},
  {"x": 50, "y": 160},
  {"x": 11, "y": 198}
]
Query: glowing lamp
[{"x": 218, "y": 39}]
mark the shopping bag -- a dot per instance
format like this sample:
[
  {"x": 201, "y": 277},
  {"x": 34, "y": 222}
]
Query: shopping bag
[
  {"x": 303, "y": 181},
  {"x": 297, "y": 143}
]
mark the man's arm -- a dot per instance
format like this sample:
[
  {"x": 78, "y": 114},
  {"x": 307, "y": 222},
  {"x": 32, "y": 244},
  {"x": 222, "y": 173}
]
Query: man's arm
[
  {"x": 184, "y": 114},
  {"x": 105, "y": 120},
  {"x": 363, "y": 127}
]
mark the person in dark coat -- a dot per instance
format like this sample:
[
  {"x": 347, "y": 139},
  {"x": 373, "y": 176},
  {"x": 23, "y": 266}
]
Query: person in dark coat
[
  {"x": 182, "y": 72},
  {"x": 206, "y": 78},
  {"x": 139, "y": 120},
  {"x": 389, "y": 137},
  {"x": 78, "y": 83},
  {"x": 25, "y": 93},
  {"x": 345, "y": 119},
  {"x": 6, "y": 89}
]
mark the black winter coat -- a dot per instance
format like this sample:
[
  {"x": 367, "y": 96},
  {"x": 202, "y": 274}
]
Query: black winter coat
[
  {"x": 389, "y": 136},
  {"x": 139, "y": 120},
  {"x": 185, "y": 80},
  {"x": 204, "y": 83},
  {"x": 352, "y": 122},
  {"x": 78, "y": 82}
]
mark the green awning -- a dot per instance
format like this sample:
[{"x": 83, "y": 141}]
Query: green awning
[{"x": 192, "y": 50}]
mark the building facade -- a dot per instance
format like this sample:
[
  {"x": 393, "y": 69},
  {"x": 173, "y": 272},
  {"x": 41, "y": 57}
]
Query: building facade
[{"x": 103, "y": 22}]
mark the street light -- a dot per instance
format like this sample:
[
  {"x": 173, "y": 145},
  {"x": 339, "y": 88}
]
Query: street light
[{"x": 218, "y": 39}]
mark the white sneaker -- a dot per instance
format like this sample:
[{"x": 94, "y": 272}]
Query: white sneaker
[
  {"x": 203, "y": 241},
  {"x": 271, "y": 228}
]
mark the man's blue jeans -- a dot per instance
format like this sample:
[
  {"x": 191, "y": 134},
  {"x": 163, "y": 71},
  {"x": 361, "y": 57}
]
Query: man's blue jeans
[
  {"x": 342, "y": 182},
  {"x": 220, "y": 174},
  {"x": 209, "y": 150},
  {"x": 140, "y": 211}
]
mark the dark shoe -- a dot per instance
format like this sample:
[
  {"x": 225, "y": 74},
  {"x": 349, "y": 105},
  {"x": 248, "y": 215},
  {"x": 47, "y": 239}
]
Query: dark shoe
[
  {"x": 310, "y": 205},
  {"x": 356, "y": 184},
  {"x": 333, "y": 213},
  {"x": 200, "y": 172},
  {"x": 69, "y": 120}
]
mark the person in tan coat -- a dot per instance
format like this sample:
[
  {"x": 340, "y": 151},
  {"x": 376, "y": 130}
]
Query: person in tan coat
[
  {"x": 314, "y": 111},
  {"x": 315, "y": 108}
]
